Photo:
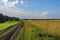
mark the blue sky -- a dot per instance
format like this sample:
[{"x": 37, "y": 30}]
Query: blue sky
[{"x": 34, "y": 9}]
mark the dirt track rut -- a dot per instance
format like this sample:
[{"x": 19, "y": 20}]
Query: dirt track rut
[{"x": 13, "y": 32}]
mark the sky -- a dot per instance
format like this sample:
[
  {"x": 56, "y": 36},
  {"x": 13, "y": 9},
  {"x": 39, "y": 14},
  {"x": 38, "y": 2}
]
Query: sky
[{"x": 31, "y": 9}]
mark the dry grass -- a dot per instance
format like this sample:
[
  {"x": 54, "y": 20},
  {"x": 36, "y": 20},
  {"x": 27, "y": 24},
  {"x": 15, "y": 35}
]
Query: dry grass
[{"x": 50, "y": 26}]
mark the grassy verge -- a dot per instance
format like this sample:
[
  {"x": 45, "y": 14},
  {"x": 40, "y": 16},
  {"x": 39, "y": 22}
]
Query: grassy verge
[
  {"x": 7, "y": 24},
  {"x": 31, "y": 32}
]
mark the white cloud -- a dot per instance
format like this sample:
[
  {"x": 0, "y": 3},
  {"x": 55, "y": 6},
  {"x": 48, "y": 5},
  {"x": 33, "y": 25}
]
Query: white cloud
[
  {"x": 5, "y": 1},
  {"x": 9, "y": 4},
  {"x": 22, "y": 14},
  {"x": 31, "y": 15},
  {"x": 21, "y": 2},
  {"x": 44, "y": 13}
]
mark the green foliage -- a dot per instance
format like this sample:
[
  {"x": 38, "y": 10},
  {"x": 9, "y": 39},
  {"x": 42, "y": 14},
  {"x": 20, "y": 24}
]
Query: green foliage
[
  {"x": 4, "y": 18},
  {"x": 7, "y": 24},
  {"x": 1, "y": 18}
]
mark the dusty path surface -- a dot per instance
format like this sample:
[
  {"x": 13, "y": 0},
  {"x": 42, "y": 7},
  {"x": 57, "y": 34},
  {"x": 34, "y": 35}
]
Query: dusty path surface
[{"x": 11, "y": 33}]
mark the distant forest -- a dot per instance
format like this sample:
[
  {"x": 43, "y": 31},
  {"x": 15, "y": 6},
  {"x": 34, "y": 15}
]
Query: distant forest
[{"x": 4, "y": 18}]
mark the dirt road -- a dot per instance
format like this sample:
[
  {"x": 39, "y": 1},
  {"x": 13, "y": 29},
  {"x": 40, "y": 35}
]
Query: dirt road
[{"x": 11, "y": 33}]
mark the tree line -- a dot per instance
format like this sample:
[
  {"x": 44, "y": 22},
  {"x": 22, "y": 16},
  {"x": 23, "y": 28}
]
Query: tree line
[{"x": 4, "y": 18}]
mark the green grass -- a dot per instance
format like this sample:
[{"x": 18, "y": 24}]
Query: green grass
[
  {"x": 7, "y": 24},
  {"x": 31, "y": 32}
]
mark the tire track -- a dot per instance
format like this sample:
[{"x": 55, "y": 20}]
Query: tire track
[
  {"x": 16, "y": 32},
  {"x": 11, "y": 33}
]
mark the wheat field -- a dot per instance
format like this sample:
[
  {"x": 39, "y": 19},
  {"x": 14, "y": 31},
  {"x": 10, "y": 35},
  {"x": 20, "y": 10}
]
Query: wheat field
[{"x": 49, "y": 26}]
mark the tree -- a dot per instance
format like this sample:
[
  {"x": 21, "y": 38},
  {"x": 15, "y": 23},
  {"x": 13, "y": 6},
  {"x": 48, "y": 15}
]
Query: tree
[
  {"x": 1, "y": 18},
  {"x": 4, "y": 18}
]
